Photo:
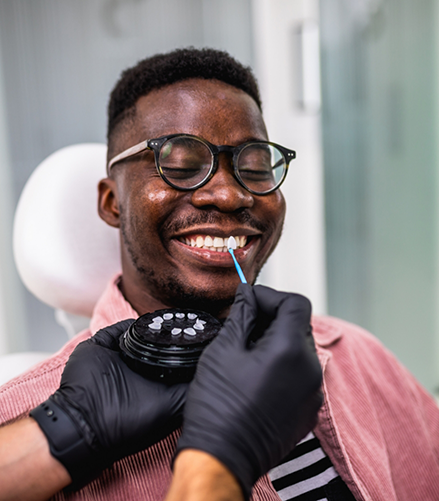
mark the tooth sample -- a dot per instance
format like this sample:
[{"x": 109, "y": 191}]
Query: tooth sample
[
  {"x": 157, "y": 320},
  {"x": 200, "y": 241},
  {"x": 192, "y": 316},
  {"x": 208, "y": 242},
  {"x": 176, "y": 331},
  {"x": 231, "y": 243},
  {"x": 190, "y": 332},
  {"x": 155, "y": 326},
  {"x": 168, "y": 316},
  {"x": 218, "y": 242}
]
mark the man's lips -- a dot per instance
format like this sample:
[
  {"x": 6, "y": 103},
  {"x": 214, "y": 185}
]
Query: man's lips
[
  {"x": 217, "y": 244},
  {"x": 209, "y": 248}
]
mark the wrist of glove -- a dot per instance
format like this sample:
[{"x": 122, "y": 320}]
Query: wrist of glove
[
  {"x": 256, "y": 392},
  {"x": 71, "y": 441},
  {"x": 104, "y": 411}
]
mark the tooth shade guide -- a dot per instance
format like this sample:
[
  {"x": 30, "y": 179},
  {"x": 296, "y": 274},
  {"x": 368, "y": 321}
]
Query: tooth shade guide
[
  {"x": 200, "y": 325},
  {"x": 168, "y": 353},
  {"x": 231, "y": 243}
]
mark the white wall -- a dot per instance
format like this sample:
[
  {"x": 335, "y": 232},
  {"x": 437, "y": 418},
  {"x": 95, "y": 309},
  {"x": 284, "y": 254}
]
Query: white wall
[{"x": 298, "y": 264}]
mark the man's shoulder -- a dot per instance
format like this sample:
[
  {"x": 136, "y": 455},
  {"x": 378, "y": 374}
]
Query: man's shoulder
[
  {"x": 22, "y": 393},
  {"x": 346, "y": 343},
  {"x": 354, "y": 353},
  {"x": 329, "y": 331}
]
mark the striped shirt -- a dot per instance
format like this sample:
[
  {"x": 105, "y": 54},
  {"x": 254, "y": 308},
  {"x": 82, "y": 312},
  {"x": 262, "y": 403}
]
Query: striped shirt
[{"x": 307, "y": 474}]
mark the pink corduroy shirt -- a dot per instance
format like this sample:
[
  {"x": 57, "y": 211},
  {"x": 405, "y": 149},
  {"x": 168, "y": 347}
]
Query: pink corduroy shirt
[{"x": 379, "y": 427}]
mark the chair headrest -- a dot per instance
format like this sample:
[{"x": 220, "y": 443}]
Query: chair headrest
[{"x": 65, "y": 254}]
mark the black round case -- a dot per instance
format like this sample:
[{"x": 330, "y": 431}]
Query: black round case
[{"x": 165, "y": 345}]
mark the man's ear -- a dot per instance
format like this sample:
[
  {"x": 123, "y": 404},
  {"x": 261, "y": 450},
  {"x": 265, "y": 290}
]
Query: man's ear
[{"x": 108, "y": 204}]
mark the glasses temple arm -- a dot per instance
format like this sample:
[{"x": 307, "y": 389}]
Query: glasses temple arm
[{"x": 137, "y": 148}]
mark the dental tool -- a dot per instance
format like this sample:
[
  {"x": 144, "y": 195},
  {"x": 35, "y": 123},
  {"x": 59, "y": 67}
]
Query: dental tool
[{"x": 231, "y": 246}]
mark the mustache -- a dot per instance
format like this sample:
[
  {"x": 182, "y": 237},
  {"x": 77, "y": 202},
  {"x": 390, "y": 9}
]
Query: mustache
[{"x": 215, "y": 218}]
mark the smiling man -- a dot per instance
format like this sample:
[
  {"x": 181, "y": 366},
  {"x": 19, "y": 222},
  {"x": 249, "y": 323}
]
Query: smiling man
[{"x": 189, "y": 165}]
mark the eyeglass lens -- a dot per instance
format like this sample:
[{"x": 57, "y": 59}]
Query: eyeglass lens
[{"x": 187, "y": 161}]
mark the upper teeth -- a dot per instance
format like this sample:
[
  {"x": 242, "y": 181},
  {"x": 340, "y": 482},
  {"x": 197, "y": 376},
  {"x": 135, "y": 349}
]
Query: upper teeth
[{"x": 213, "y": 243}]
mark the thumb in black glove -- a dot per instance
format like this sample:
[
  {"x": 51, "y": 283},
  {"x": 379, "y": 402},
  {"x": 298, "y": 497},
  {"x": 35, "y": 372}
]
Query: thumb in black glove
[
  {"x": 104, "y": 411},
  {"x": 256, "y": 392}
]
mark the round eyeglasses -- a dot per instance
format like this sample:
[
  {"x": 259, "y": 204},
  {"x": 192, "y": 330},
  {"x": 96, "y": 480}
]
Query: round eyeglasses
[{"x": 188, "y": 162}]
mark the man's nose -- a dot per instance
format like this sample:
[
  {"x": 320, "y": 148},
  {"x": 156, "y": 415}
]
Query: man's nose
[{"x": 223, "y": 191}]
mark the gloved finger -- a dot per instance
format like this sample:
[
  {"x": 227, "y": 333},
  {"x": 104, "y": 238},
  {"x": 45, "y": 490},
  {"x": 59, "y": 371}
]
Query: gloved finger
[
  {"x": 269, "y": 300},
  {"x": 268, "y": 304},
  {"x": 292, "y": 321},
  {"x": 242, "y": 316},
  {"x": 178, "y": 394},
  {"x": 109, "y": 336}
]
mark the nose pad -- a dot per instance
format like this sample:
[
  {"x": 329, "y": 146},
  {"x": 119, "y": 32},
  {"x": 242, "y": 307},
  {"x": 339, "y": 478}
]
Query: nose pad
[{"x": 223, "y": 190}]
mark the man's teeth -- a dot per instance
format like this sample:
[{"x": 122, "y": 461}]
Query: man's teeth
[{"x": 217, "y": 244}]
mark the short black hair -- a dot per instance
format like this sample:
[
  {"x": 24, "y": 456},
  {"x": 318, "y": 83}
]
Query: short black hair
[{"x": 165, "y": 69}]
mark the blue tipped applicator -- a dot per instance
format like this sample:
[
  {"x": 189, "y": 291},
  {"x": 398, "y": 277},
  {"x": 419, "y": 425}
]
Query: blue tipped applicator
[{"x": 231, "y": 246}]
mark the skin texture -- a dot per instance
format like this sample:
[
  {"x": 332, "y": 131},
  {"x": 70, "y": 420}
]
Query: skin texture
[{"x": 158, "y": 269}]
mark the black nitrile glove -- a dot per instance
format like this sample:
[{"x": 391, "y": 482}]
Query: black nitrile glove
[
  {"x": 256, "y": 392},
  {"x": 103, "y": 411}
]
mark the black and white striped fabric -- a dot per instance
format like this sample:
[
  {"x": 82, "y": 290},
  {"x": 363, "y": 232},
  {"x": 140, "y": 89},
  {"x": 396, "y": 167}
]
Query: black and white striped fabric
[{"x": 307, "y": 474}]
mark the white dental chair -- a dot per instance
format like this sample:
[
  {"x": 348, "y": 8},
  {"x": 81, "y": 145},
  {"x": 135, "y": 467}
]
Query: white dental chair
[{"x": 65, "y": 254}]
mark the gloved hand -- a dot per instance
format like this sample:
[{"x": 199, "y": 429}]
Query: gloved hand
[
  {"x": 104, "y": 411},
  {"x": 256, "y": 392}
]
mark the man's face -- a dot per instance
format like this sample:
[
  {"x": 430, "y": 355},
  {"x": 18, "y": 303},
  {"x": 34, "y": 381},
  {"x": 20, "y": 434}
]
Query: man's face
[{"x": 165, "y": 232}]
